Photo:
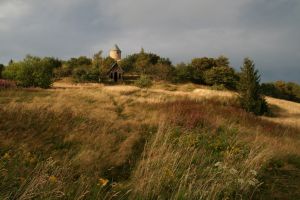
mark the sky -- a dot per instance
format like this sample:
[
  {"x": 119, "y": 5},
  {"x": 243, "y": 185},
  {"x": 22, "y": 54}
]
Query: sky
[{"x": 267, "y": 31}]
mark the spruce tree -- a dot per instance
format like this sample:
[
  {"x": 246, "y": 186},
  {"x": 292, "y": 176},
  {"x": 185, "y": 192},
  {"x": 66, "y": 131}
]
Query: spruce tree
[{"x": 250, "y": 96}]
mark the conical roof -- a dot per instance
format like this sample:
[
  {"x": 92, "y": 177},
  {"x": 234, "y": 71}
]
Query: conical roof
[{"x": 116, "y": 48}]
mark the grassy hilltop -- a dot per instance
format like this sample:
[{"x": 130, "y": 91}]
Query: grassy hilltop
[{"x": 185, "y": 141}]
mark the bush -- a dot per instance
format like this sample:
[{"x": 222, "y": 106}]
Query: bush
[
  {"x": 80, "y": 61},
  {"x": 221, "y": 76},
  {"x": 160, "y": 71},
  {"x": 143, "y": 82},
  {"x": 199, "y": 66},
  {"x": 1, "y": 69},
  {"x": 86, "y": 74},
  {"x": 280, "y": 89},
  {"x": 63, "y": 71},
  {"x": 218, "y": 87},
  {"x": 31, "y": 72},
  {"x": 183, "y": 73}
]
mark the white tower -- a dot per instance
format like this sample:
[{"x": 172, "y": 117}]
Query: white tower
[{"x": 115, "y": 53}]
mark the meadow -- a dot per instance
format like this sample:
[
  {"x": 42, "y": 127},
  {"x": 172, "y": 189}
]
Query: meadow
[{"x": 184, "y": 141}]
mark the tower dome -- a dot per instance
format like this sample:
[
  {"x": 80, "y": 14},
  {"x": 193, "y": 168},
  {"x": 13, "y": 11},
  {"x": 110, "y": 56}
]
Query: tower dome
[{"x": 115, "y": 53}]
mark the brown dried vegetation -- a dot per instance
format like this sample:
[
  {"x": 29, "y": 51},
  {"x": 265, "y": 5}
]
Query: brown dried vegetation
[{"x": 183, "y": 143}]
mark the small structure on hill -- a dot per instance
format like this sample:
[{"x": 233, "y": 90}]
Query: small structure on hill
[{"x": 116, "y": 72}]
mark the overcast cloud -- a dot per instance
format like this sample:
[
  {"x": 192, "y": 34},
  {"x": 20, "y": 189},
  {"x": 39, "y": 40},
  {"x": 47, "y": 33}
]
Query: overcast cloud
[{"x": 268, "y": 31}]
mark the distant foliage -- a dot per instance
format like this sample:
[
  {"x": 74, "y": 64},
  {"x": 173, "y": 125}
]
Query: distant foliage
[
  {"x": 143, "y": 82},
  {"x": 199, "y": 66},
  {"x": 63, "y": 71},
  {"x": 31, "y": 72},
  {"x": 148, "y": 64},
  {"x": 53, "y": 62},
  {"x": 84, "y": 69},
  {"x": 183, "y": 73},
  {"x": 105, "y": 67},
  {"x": 209, "y": 71},
  {"x": 70, "y": 65},
  {"x": 222, "y": 75},
  {"x": 80, "y": 61},
  {"x": 218, "y": 87},
  {"x": 251, "y": 98},
  {"x": 215, "y": 72},
  {"x": 86, "y": 74},
  {"x": 283, "y": 90},
  {"x": 1, "y": 69}
]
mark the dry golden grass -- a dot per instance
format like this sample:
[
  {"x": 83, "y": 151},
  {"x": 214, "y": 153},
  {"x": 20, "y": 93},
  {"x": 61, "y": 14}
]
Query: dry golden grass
[
  {"x": 95, "y": 131},
  {"x": 199, "y": 146},
  {"x": 286, "y": 112}
]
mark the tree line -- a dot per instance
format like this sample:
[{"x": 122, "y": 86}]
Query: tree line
[{"x": 34, "y": 71}]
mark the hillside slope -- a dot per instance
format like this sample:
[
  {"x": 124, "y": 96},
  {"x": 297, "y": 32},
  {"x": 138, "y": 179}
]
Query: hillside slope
[{"x": 90, "y": 141}]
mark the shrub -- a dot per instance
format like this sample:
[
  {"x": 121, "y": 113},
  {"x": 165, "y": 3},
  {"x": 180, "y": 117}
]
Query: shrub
[
  {"x": 160, "y": 71},
  {"x": 63, "y": 71},
  {"x": 80, "y": 61},
  {"x": 143, "y": 82},
  {"x": 86, "y": 74},
  {"x": 199, "y": 66},
  {"x": 1, "y": 69},
  {"x": 218, "y": 87},
  {"x": 183, "y": 73},
  {"x": 221, "y": 76},
  {"x": 31, "y": 72},
  {"x": 280, "y": 89}
]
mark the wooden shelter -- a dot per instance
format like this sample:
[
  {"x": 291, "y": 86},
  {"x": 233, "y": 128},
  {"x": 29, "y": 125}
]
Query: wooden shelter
[{"x": 116, "y": 72}]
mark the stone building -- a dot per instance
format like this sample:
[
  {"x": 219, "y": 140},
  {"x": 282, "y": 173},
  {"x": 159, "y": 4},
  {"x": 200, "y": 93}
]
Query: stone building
[
  {"x": 116, "y": 72},
  {"x": 115, "y": 53}
]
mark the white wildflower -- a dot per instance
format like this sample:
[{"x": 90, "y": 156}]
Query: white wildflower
[
  {"x": 241, "y": 181},
  {"x": 253, "y": 182},
  {"x": 218, "y": 164},
  {"x": 233, "y": 171},
  {"x": 253, "y": 172}
]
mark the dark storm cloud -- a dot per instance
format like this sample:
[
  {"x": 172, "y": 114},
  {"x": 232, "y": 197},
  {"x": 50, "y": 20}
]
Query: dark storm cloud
[
  {"x": 265, "y": 30},
  {"x": 271, "y": 13},
  {"x": 277, "y": 21},
  {"x": 53, "y": 28}
]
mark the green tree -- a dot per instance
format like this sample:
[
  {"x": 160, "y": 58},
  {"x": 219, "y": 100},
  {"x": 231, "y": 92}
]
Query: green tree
[
  {"x": 222, "y": 61},
  {"x": 79, "y": 62},
  {"x": 250, "y": 96},
  {"x": 183, "y": 73},
  {"x": 223, "y": 75},
  {"x": 160, "y": 71},
  {"x": 98, "y": 59},
  {"x": 147, "y": 63},
  {"x": 200, "y": 65},
  {"x": 31, "y": 72},
  {"x": 105, "y": 67},
  {"x": 283, "y": 90},
  {"x": 1, "y": 69},
  {"x": 143, "y": 82},
  {"x": 142, "y": 62},
  {"x": 10, "y": 62},
  {"x": 53, "y": 62},
  {"x": 67, "y": 67},
  {"x": 128, "y": 63}
]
